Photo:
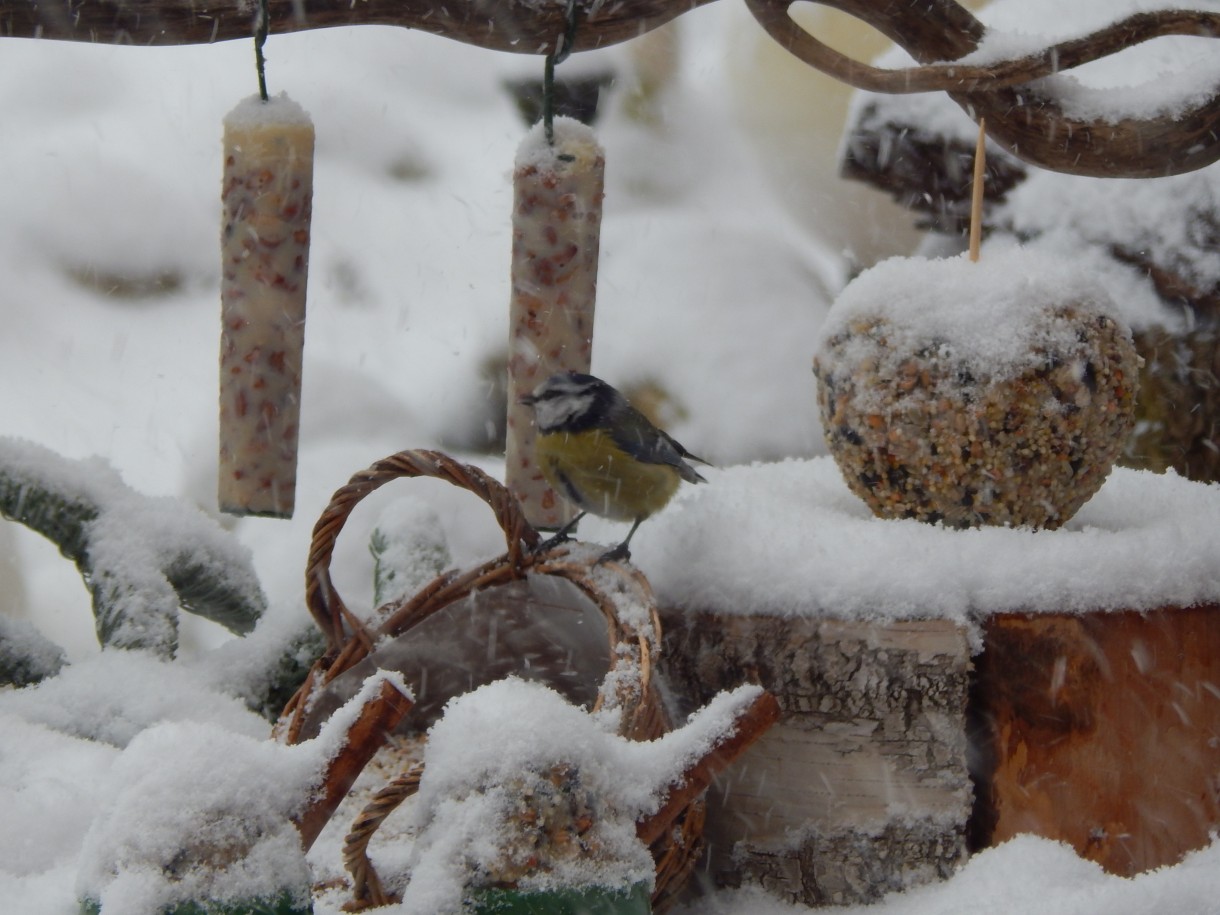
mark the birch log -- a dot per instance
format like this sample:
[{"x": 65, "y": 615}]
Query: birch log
[
  {"x": 862, "y": 787},
  {"x": 267, "y": 197},
  {"x": 557, "y": 213}
]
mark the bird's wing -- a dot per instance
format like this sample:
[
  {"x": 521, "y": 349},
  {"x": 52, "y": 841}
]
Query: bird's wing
[
  {"x": 686, "y": 454},
  {"x": 645, "y": 442}
]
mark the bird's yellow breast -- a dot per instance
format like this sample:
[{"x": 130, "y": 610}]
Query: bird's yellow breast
[{"x": 589, "y": 469}]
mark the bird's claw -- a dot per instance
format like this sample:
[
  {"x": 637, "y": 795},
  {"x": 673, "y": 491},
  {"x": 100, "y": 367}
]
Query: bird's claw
[
  {"x": 563, "y": 535},
  {"x": 619, "y": 554},
  {"x": 551, "y": 542}
]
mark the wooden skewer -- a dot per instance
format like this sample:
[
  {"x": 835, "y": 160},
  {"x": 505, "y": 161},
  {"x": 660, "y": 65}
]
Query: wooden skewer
[{"x": 976, "y": 196}]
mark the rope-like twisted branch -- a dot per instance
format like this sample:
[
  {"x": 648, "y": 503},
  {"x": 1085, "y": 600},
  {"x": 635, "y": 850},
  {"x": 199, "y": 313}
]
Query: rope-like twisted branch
[
  {"x": 1029, "y": 121},
  {"x": 367, "y": 889},
  {"x": 676, "y": 856}
]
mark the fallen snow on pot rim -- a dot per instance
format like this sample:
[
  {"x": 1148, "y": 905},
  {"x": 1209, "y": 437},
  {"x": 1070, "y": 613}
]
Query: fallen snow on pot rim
[{"x": 790, "y": 538}]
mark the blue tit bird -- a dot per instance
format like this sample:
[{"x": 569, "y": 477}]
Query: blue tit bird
[{"x": 603, "y": 455}]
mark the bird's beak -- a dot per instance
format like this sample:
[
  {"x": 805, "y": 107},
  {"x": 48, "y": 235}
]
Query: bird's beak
[{"x": 527, "y": 400}]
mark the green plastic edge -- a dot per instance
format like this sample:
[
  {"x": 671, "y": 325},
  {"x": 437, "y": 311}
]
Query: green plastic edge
[
  {"x": 597, "y": 900},
  {"x": 634, "y": 900},
  {"x": 284, "y": 904}
]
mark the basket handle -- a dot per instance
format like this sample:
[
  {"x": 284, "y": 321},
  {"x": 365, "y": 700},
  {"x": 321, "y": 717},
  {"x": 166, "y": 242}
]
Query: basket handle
[
  {"x": 613, "y": 587},
  {"x": 323, "y": 601}
]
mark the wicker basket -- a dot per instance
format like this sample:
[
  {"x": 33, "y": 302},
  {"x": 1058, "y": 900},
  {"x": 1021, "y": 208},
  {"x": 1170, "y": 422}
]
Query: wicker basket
[{"x": 618, "y": 590}]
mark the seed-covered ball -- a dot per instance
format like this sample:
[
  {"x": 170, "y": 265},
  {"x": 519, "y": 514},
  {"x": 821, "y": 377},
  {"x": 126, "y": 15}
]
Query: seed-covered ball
[{"x": 999, "y": 392}]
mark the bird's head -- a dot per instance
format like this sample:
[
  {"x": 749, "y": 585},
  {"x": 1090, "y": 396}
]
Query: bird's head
[{"x": 570, "y": 402}]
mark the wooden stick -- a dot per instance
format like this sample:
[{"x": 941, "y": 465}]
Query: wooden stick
[
  {"x": 377, "y": 718},
  {"x": 976, "y": 195},
  {"x": 751, "y": 724}
]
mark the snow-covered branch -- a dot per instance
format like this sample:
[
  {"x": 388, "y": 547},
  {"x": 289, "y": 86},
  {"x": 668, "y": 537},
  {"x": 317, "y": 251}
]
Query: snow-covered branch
[
  {"x": 143, "y": 558},
  {"x": 1012, "y": 83}
]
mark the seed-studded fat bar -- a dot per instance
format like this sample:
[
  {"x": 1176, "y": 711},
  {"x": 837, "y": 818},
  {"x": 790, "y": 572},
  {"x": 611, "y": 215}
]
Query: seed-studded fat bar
[
  {"x": 557, "y": 212},
  {"x": 267, "y": 198}
]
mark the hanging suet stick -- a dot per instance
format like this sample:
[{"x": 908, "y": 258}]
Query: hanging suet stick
[
  {"x": 557, "y": 211},
  {"x": 267, "y": 199}
]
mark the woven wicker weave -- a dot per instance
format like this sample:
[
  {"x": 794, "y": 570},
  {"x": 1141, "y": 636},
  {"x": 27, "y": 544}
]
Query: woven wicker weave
[{"x": 618, "y": 590}]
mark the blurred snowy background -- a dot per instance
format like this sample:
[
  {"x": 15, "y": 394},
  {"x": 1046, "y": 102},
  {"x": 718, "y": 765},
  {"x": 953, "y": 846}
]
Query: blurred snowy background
[
  {"x": 726, "y": 236},
  {"x": 711, "y": 287}
]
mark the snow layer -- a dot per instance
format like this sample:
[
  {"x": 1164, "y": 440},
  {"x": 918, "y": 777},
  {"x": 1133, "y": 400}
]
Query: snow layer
[
  {"x": 568, "y": 134},
  {"x": 1159, "y": 78},
  {"x": 195, "y": 812},
  {"x": 1156, "y": 79},
  {"x": 1166, "y": 221},
  {"x": 1169, "y": 222},
  {"x": 512, "y": 733},
  {"x": 113, "y": 696},
  {"x": 276, "y": 111},
  {"x": 108, "y": 243},
  {"x": 992, "y": 317},
  {"x": 790, "y": 538},
  {"x": 1025, "y": 875}
]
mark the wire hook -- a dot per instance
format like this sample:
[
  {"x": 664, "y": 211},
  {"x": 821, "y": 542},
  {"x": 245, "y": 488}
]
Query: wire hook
[
  {"x": 262, "y": 27},
  {"x": 558, "y": 56}
]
